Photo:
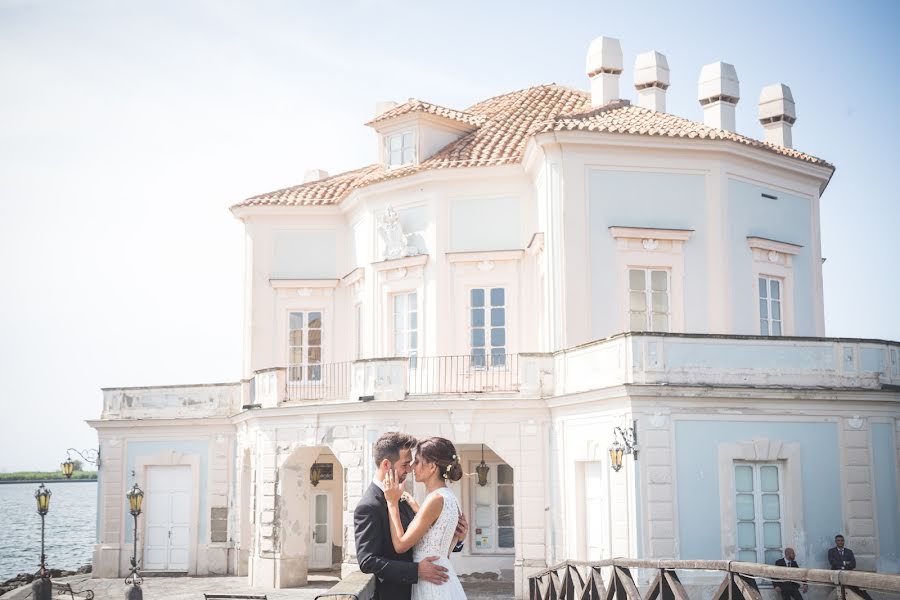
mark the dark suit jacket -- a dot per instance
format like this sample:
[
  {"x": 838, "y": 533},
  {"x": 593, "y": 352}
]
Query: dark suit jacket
[
  {"x": 394, "y": 573},
  {"x": 837, "y": 562},
  {"x": 787, "y": 585}
]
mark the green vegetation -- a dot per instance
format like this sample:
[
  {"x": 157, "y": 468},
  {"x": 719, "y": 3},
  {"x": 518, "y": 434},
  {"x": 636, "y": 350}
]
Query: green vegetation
[{"x": 46, "y": 476}]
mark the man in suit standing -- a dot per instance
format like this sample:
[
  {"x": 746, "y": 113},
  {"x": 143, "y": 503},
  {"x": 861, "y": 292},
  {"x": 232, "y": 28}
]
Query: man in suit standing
[
  {"x": 395, "y": 574},
  {"x": 789, "y": 590},
  {"x": 840, "y": 558}
]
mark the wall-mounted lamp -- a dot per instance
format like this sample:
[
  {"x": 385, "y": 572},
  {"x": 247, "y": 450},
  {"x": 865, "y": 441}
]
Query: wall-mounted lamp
[
  {"x": 482, "y": 470},
  {"x": 90, "y": 456},
  {"x": 627, "y": 445},
  {"x": 314, "y": 474}
]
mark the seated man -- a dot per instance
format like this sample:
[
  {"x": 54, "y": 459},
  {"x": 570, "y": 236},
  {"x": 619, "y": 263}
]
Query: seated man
[{"x": 789, "y": 590}]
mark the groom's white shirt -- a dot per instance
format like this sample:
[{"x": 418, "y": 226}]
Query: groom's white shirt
[{"x": 378, "y": 482}]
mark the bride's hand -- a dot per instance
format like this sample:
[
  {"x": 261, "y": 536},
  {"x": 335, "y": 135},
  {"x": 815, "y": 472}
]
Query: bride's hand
[{"x": 392, "y": 491}]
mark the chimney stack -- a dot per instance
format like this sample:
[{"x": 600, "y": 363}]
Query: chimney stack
[
  {"x": 651, "y": 80},
  {"x": 719, "y": 91},
  {"x": 314, "y": 175},
  {"x": 604, "y": 65},
  {"x": 777, "y": 114}
]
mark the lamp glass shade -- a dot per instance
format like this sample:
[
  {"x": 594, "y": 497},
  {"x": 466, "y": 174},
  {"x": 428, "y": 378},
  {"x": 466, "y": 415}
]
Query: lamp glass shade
[
  {"x": 616, "y": 452},
  {"x": 68, "y": 468},
  {"x": 314, "y": 475},
  {"x": 135, "y": 498},
  {"x": 482, "y": 471},
  {"x": 42, "y": 496}
]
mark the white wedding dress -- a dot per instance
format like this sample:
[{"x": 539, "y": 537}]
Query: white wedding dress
[{"x": 436, "y": 542}]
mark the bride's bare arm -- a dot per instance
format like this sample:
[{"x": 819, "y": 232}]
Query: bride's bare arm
[{"x": 424, "y": 519}]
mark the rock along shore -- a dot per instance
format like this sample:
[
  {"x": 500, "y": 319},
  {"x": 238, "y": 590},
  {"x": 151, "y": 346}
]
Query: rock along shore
[{"x": 26, "y": 578}]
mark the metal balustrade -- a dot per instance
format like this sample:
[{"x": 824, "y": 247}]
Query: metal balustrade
[
  {"x": 577, "y": 580},
  {"x": 463, "y": 374},
  {"x": 325, "y": 381}
]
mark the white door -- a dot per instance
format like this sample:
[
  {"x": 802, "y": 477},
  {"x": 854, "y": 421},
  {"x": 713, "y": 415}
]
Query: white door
[
  {"x": 594, "y": 510},
  {"x": 320, "y": 530},
  {"x": 168, "y": 513}
]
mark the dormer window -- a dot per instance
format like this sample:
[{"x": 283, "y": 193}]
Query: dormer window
[{"x": 400, "y": 149}]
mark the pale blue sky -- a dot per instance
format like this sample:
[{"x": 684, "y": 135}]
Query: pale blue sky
[{"x": 128, "y": 128}]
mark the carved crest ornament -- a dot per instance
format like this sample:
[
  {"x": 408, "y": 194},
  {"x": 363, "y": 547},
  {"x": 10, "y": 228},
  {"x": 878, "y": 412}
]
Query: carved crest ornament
[{"x": 396, "y": 242}]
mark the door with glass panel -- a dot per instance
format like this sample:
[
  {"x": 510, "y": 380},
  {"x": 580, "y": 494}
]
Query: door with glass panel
[
  {"x": 305, "y": 355},
  {"x": 493, "y": 526},
  {"x": 487, "y": 367},
  {"x": 320, "y": 530},
  {"x": 759, "y": 508}
]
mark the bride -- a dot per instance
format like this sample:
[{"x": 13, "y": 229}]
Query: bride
[{"x": 433, "y": 530}]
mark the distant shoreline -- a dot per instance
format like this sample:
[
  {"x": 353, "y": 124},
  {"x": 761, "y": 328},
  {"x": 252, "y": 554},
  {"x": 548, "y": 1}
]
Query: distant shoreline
[{"x": 40, "y": 481}]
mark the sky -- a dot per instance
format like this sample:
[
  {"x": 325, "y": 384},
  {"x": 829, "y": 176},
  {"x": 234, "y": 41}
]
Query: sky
[{"x": 127, "y": 129}]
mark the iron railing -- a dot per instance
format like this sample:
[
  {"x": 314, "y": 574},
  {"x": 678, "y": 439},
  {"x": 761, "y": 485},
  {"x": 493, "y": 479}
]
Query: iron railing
[
  {"x": 576, "y": 580},
  {"x": 318, "y": 382},
  {"x": 463, "y": 374}
]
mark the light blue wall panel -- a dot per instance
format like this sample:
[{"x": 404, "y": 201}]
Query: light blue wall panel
[
  {"x": 871, "y": 360},
  {"x": 884, "y": 456},
  {"x": 198, "y": 448},
  {"x": 307, "y": 254},
  {"x": 741, "y": 356},
  {"x": 632, "y": 199},
  {"x": 697, "y": 481},
  {"x": 786, "y": 219},
  {"x": 485, "y": 224}
]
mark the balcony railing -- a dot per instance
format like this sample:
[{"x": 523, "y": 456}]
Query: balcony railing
[
  {"x": 464, "y": 374},
  {"x": 327, "y": 381}
]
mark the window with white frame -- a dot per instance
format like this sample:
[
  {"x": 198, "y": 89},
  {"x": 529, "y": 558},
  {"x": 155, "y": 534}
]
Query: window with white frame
[
  {"x": 406, "y": 326},
  {"x": 649, "y": 302},
  {"x": 487, "y": 327},
  {"x": 759, "y": 509},
  {"x": 304, "y": 346},
  {"x": 400, "y": 149},
  {"x": 770, "y": 295},
  {"x": 493, "y": 526}
]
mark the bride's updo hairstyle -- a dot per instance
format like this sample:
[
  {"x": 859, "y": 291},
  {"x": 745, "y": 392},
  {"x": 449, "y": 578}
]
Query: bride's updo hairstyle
[{"x": 441, "y": 452}]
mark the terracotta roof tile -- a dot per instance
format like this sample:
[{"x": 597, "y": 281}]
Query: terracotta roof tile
[
  {"x": 504, "y": 125},
  {"x": 415, "y": 105},
  {"x": 622, "y": 117}
]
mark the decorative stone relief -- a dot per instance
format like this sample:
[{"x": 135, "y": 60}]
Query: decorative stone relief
[
  {"x": 855, "y": 422},
  {"x": 650, "y": 244},
  {"x": 773, "y": 256},
  {"x": 486, "y": 265},
  {"x": 396, "y": 244},
  {"x": 658, "y": 421},
  {"x": 304, "y": 292}
]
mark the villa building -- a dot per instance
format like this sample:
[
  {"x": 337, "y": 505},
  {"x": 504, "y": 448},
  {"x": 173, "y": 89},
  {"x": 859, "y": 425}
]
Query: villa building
[{"x": 537, "y": 277}]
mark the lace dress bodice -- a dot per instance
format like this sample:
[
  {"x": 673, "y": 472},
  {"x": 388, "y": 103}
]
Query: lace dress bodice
[{"x": 436, "y": 541}]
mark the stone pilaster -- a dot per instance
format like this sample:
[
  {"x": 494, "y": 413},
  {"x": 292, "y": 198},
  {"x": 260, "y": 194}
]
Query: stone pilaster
[
  {"x": 656, "y": 457},
  {"x": 859, "y": 505}
]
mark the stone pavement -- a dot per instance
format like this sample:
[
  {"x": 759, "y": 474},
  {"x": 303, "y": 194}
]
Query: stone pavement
[{"x": 192, "y": 588}]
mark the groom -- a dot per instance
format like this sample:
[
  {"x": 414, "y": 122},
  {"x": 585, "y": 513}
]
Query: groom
[{"x": 395, "y": 574}]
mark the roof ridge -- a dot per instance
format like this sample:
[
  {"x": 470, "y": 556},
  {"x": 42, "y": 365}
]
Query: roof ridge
[{"x": 526, "y": 89}]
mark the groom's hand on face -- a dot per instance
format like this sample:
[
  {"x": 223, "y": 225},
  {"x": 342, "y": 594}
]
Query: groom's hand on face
[{"x": 432, "y": 573}]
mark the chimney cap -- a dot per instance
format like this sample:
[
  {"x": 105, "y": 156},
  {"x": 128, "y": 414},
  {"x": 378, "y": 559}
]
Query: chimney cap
[
  {"x": 718, "y": 82},
  {"x": 604, "y": 56},
  {"x": 314, "y": 175},
  {"x": 651, "y": 68},
  {"x": 776, "y": 103}
]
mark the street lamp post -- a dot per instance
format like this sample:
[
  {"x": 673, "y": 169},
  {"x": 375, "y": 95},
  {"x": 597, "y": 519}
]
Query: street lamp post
[
  {"x": 41, "y": 587},
  {"x": 135, "y": 498}
]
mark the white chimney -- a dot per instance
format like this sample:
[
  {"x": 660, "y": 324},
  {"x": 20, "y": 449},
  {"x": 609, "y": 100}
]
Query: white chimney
[
  {"x": 651, "y": 80},
  {"x": 382, "y": 106},
  {"x": 777, "y": 114},
  {"x": 604, "y": 65},
  {"x": 314, "y": 175},
  {"x": 719, "y": 91}
]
